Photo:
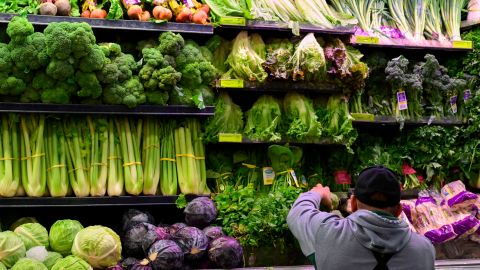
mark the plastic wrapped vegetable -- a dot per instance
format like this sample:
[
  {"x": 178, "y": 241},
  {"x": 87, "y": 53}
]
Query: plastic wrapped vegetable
[
  {"x": 28, "y": 264},
  {"x": 165, "y": 255},
  {"x": 200, "y": 212},
  {"x": 138, "y": 239},
  {"x": 192, "y": 241},
  {"x": 263, "y": 120},
  {"x": 71, "y": 263},
  {"x": 213, "y": 232},
  {"x": 98, "y": 245},
  {"x": 279, "y": 52},
  {"x": 62, "y": 234},
  {"x": 32, "y": 235},
  {"x": 228, "y": 119},
  {"x": 226, "y": 252},
  {"x": 303, "y": 123},
  {"x": 308, "y": 61},
  {"x": 11, "y": 248}
]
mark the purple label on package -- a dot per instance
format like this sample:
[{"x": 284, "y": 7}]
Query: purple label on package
[
  {"x": 402, "y": 100},
  {"x": 466, "y": 95},
  {"x": 453, "y": 103}
]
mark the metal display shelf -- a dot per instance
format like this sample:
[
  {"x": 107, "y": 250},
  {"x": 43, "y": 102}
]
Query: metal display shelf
[
  {"x": 28, "y": 202},
  {"x": 467, "y": 25},
  {"x": 321, "y": 142},
  {"x": 391, "y": 120},
  {"x": 130, "y": 25},
  {"x": 257, "y": 25},
  {"x": 173, "y": 110},
  {"x": 429, "y": 45},
  {"x": 279, "y": 87}
]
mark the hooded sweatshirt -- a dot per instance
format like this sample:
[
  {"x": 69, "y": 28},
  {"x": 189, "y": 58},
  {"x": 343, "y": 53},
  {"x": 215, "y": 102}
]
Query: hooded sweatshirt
[{"x": 347, "y": 243}]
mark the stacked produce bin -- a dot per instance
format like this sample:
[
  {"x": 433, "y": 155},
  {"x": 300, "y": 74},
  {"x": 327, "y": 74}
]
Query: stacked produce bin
[{"x": 183, "y": 131}]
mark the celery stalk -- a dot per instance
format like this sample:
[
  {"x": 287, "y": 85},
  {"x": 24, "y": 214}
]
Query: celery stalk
[
  {"x": 168, "y": 176},
  {"x": 151, "y": 156},
  {"x": 10, "y": 156},
  {"x": 98, "y": 156},
  {"x": 33, "y": 155},
  {"x": 130, "y": 148},
  {"x": 199, "y": 149},
  {"x": 56, "y": 154},
  {"x": 78, "y": 159},
  {"x": 115, "y": 181}
]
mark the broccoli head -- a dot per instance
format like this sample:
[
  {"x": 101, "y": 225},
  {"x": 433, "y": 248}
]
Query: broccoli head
[
  {"x": 37, "y": 40},
  {"x": 21, "y": 74},
  {"x": 157, "y": 97},
  {"x": 30, "y": 95},
  {"x": 109, "y": 73},
  {"x": 167, "y": 77},
  {"x": 82, "y": 40},
  {"x": 126, "y": 65},
  {"x": 111, "y": 49},
  {"x": 31, "y": 54},
  {"x": 12, "y": 86},
  {"x": 93, "y": 61},
  {"x": 58, "y": 41},
  {"x": 129, "y": 93},
  {"x": 5, "y": 58},
  {"x": 42, "y": 81},
  {"x": 153, "y": 57},
  {"x": 191, "y": 75},
  {"x": 181, "y": 96},
  {"x": 149, "y": 43},
  {"x": 19, "y": 28},
  {"x": 209, "y": 72},
  {"x": 189, "y": 54},
  {"x": 89, "y": 85},
  {"x": 170, "y": 43},
  {"x": 60, "y": 70},
  {"x": 146, "y": 73},
  {"x": 60, "y": 94}
]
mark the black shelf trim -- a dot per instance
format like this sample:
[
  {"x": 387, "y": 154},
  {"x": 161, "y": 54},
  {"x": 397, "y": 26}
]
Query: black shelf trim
[
  {"x": 278, "y": 86},
  {"x": 28, "y": 202},
  {"x": 391, "y": 120},
  {"x": 172, "y": 110},
  {"x": 258, "y": 25},
  {"x": 130, "y": 25},
  {"x": 321, "y": 142}
]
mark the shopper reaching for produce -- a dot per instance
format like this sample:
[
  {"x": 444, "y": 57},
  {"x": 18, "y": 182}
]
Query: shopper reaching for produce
[{"x": 372, "y": 237}]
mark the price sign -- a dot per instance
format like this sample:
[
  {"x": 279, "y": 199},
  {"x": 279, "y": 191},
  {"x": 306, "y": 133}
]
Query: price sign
[
  {"x": 237, "y": 21},
  {"x": 402, "y": 100},
  {"x": 230, "y": 137},
  {"x": 231, "y": 83},
  {"x": 462, "y": 44},
  {"x": 268, "y": 176},
  {"x": 367, "y": 40}
]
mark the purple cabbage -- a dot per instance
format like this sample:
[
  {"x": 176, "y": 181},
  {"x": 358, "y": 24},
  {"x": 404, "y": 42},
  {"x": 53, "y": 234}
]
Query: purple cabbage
[
  {"x": 142, "y": 265},
  {"x": 193, "y": 242},
  {"x": 175, "y": 227},
  {"x": 138, "y": 239},
  {"x": 165, "y": 255},
  {"x": 200, "y": 212},
  {"x": 226, "y": 252},
  {"x": 134, "y": 216},
  {"x": 129, "y": 262},
  {"x": 213, "y": 232},
  {"x": 116, "y": 267},
  {"x": 163, "y": 233}
]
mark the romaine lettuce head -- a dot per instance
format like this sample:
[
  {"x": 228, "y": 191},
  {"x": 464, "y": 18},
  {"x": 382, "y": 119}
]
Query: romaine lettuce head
[
  {"x": 62, "y": 234},
  {"x": 28, "y": 264},
  {"x": 71, "y": 263},
  {"x": 11, "y": 248},
  {"x": 52, "y": 259},
  {"x": 32, "y": 235},
  {"x": 98, "y": 245}
]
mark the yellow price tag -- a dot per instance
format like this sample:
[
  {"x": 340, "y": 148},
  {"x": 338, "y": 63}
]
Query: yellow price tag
[
  {"x": 367, "y": 40},
  {"x": 231, "y": 83},
  {"x": 230, "y": 137},
  {"x": 233, "y": 21},
  {"x": 268, "y": 176},
  {"x": 462, "y": 44},
  {"x": 363, "y": 117}
]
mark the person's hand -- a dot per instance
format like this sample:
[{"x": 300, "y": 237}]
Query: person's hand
[{"x": 324, "y": 194}]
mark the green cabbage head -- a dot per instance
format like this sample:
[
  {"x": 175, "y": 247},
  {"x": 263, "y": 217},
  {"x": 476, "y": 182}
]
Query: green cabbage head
[
  {"x": 33, "y": 234},
  {"x": 52, "y": 258},
  {"x": 98, "y": 245},
  {"x": 62, "y": 234},
  {"x": 11, "y": 248},
  {"x": 28, "y": 264},
  {"x": 71, "y": 263}
]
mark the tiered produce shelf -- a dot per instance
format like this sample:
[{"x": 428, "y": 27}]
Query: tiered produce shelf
[
  {"x": 173, "y": 110},
  {"x": 427, "y": 45},
  {"x": 130, "y": 25},
  {"x": 275, "y": 87},
  {"x": 28, "y": 202}
]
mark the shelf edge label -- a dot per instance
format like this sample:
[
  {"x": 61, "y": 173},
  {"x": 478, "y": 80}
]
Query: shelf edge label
[
  {"x": 240, "y": 21},
  {"x": 231, "y": 83},
  {"x": 363, "y": 116},
  {"x": 462, "y": 44},
  {"x": 230, "y": 137},
  {"x": 367, "y": 40}
]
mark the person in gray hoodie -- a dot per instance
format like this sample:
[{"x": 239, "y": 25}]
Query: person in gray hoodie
[{"x": 371, "y": 238}]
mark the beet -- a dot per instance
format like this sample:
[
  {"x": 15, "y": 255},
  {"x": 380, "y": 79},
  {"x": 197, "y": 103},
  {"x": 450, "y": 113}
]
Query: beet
[
  {"x": 192, "y": 241},
  {"x": 165, "y": 255},
  {"x": 134, "y": 216},
  {"x": 63, "y": 7},
  {"x": 48, "y": 8},
  {"x": 138, "y": 239},
  {"x": 200, "y": 212},
  {"x": 213, "y": 232},
  {"x": 226, "y": 252}
]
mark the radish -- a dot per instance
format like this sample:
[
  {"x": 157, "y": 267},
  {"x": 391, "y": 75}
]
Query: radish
[
  {"x": 98, "y": 14},
  {"x": 162, "y": 13},
  {"x": 184, "y": 16},
  {"x": 135, "y": 12},
  {"x": 200, "y": 17}
]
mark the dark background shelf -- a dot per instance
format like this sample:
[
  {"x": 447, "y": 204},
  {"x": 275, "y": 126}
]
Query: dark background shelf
[
  {"x": 173, "y": 110},
  {"x": 390, "y": 120}
]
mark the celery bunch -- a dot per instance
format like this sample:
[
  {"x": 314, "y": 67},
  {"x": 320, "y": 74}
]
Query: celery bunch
[{"x": 10, "y": 156}]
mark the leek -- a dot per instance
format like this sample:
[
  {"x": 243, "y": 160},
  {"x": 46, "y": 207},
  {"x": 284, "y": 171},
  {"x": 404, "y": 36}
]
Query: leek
[
  {"x": 10, "y": 156},
  {"x": 115, "y": 176},
  {"x": 361, "y": 10},
  {"x": 130, "y": 135},
  {"x": 56, "y": 154},
  {"x": 151, "y": 156},
  {"x": 34, "y": 171},
  {"x": 168, "y": 176},
  {"x": 434, "y": 24},
  {"x": 398, "y": 12},
  {"x": 417, "y": 10},
  {"x": 99, "y": 156},
  {"x": 451, "y": 11},
  {"x": 78, "y": 158}
]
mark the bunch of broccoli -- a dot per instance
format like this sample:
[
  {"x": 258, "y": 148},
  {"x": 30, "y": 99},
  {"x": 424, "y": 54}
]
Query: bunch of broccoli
[
  {"x": 176, "y": 71},
  {"x": 121, "y": 85}
]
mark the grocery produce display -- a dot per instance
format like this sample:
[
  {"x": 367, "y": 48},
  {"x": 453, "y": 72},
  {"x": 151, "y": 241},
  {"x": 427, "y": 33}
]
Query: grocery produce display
[{"x": 226, "y": 111}]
